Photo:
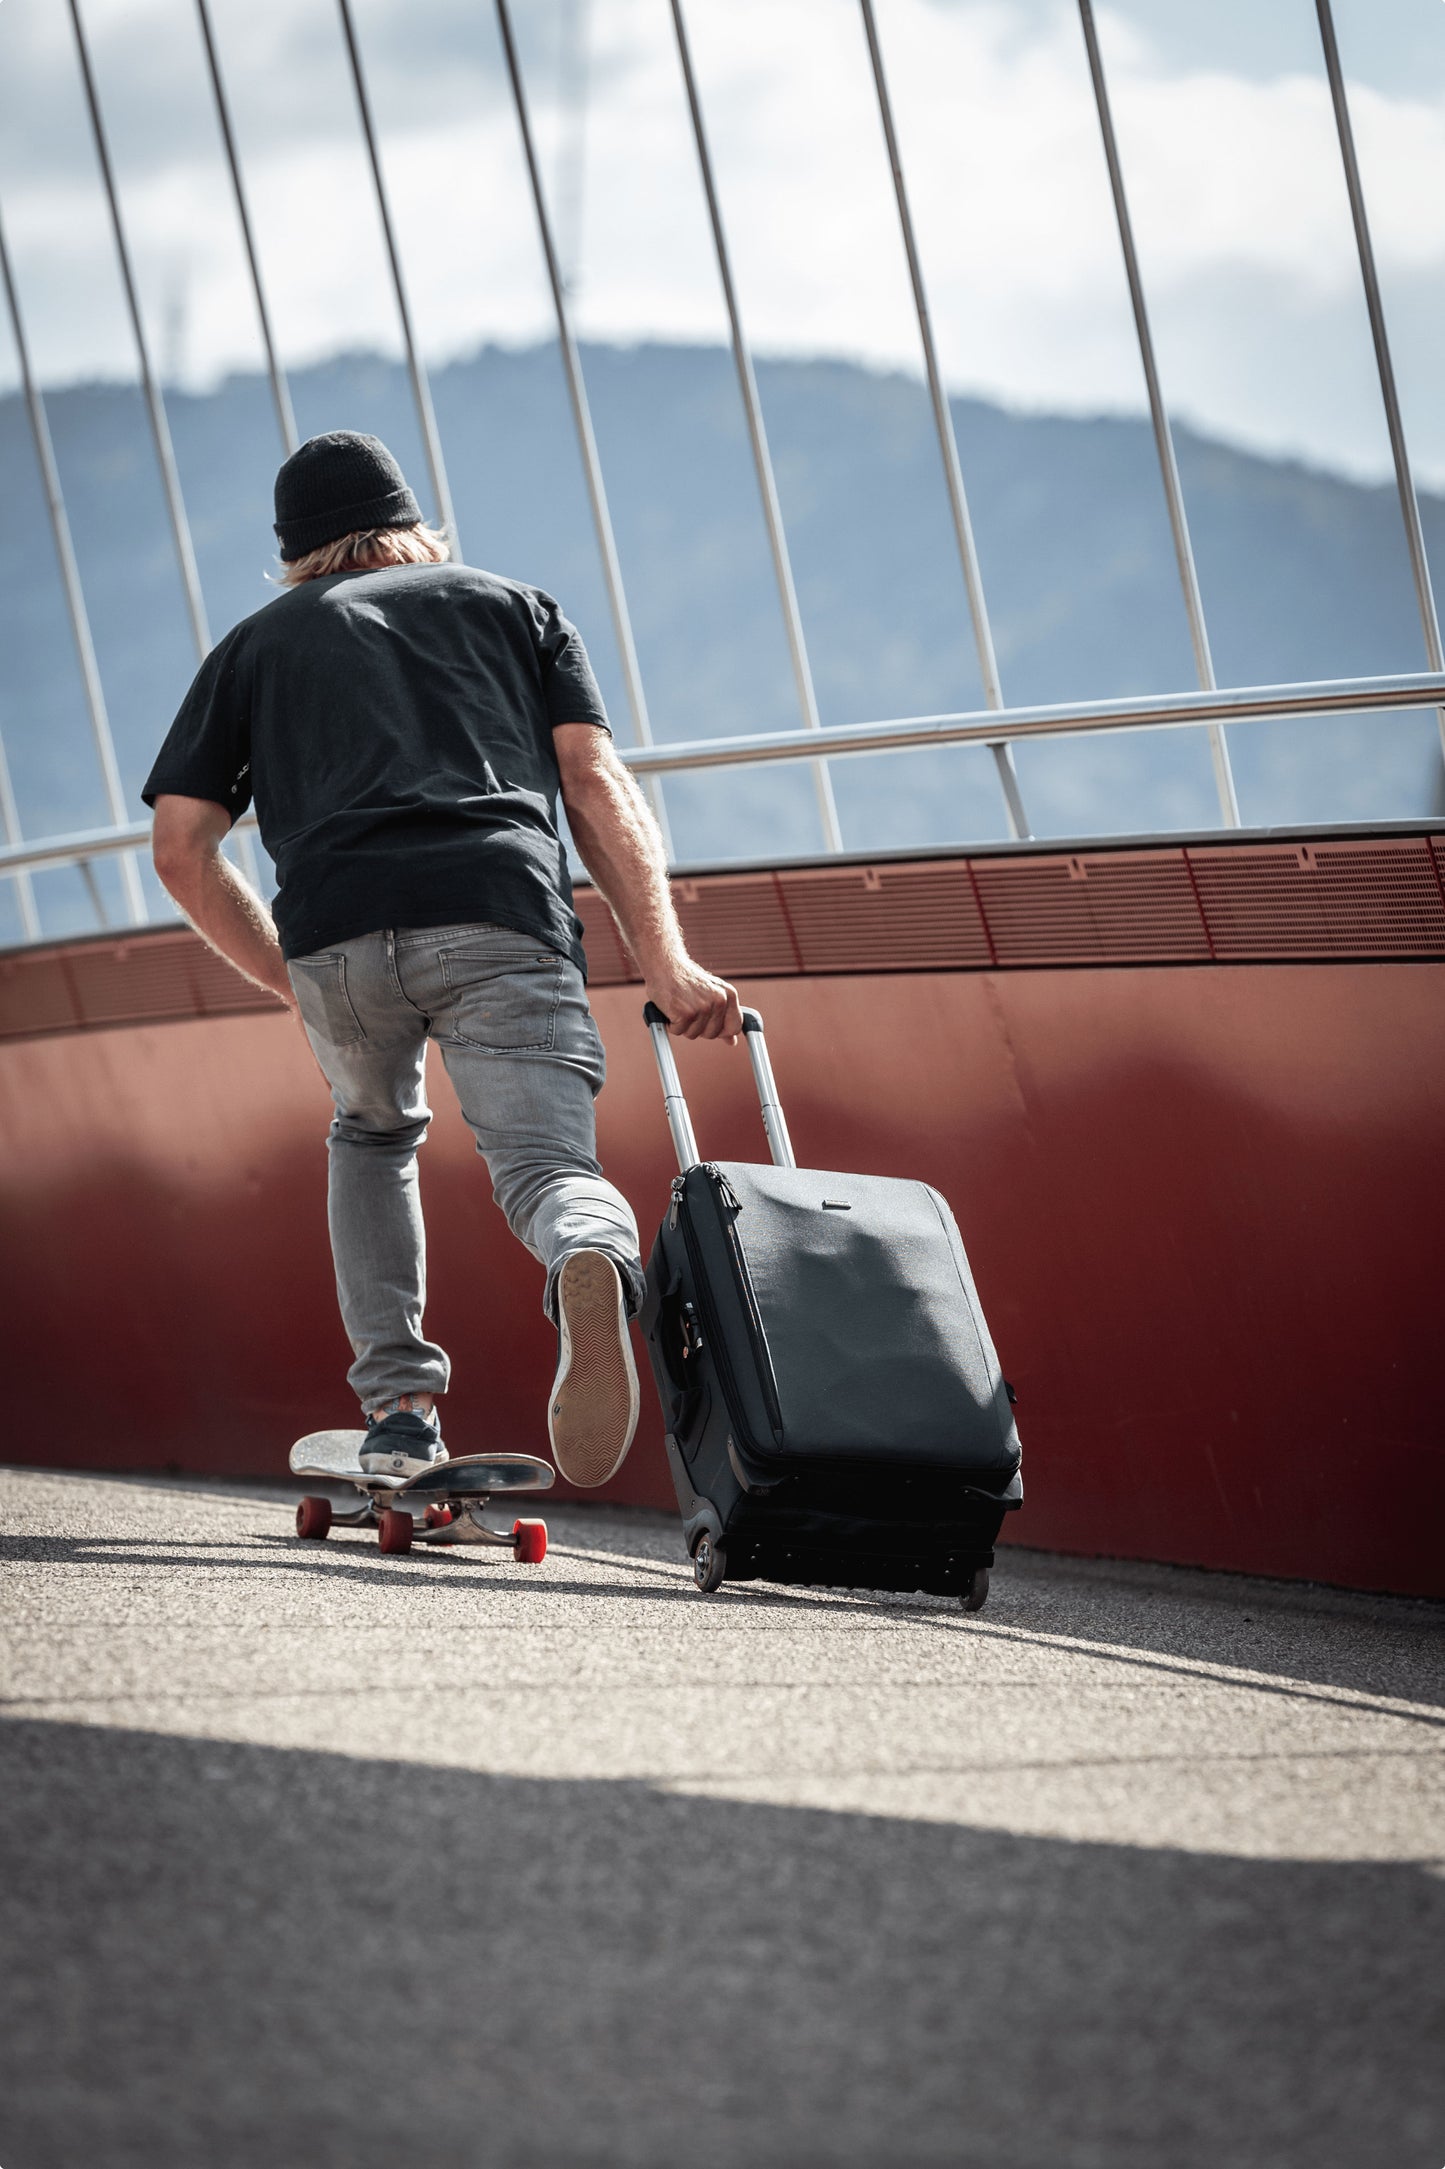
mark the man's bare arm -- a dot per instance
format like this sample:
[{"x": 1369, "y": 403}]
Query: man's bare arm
[
  {"x": 223, "y": 907},
  {"x": 621, "y": 848}
]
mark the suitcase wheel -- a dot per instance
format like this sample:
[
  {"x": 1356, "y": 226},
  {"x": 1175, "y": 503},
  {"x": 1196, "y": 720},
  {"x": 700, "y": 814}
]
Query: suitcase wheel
[
  {"x": 975, "y": 1596},
  {"x": 710, "y": 1563}
]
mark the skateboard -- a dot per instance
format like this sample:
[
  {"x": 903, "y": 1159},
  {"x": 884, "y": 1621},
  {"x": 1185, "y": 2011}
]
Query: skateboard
[{"x": 441, "y": 1505}]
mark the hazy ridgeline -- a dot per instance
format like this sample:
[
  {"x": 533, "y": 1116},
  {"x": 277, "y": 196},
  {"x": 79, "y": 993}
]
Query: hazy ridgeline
[{"x": 1304, "y": 576}]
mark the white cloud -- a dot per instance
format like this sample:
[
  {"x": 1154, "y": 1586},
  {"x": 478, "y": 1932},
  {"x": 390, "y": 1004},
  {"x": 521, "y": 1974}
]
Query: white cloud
[{"x": 1233, "y": 178}]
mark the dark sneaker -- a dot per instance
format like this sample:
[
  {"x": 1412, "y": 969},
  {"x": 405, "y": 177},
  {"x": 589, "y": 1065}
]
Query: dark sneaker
[
  {"x": 402, "y": 1444},
  {"x": 593, "y": 1410}
]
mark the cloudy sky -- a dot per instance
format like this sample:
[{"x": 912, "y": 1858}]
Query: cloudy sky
[{"x": 1225, "y": 129}]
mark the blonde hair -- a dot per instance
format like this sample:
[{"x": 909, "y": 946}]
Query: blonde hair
[{"x": 366, "y": 551}]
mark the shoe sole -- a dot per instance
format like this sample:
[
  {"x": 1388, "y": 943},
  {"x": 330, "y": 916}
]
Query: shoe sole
[{"x": 592, "y": 1414}]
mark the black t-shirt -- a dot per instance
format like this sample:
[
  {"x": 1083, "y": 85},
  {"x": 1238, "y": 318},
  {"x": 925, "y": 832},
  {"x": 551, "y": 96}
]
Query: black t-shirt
[{"x": 395, "y": 729}]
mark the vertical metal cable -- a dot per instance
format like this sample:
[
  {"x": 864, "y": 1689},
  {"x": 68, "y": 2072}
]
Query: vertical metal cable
[
  {"x": 1163, "y": 436},
  {"x": 757, "y": 436},
  {"x": 421, "y": 388},
  {"x": 245, "y": 842},
  {"x": 280, "y": 394},
  {"x": 1404, "y": 481},
  {"x": 92, "y": 890},
  {"x": 155, "y": 405},
  {"x": 582, "y": 417},
  {"x": 10, "y": 823},
  {"x": 569, "y": 191},
  {"x": 947, "y": 442},
  {"x": 70, "y": 582}
]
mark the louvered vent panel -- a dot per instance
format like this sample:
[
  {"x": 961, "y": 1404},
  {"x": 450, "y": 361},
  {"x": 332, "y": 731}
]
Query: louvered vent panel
[
  {"x": 886, "y": 918},
  {"x": 608, "y": 964},
  {"x": 220, "y": 989},
  {"x": 734, "y": 923},
  {"x": 148, "y": 979},
  {"x": 164, "y": 976},
  {"x": 34, "y": 996},
  {"x": 1121, "y": 907},
  {"x": 1242, "y": 903},
  {"x": 1372, "y": 898}
]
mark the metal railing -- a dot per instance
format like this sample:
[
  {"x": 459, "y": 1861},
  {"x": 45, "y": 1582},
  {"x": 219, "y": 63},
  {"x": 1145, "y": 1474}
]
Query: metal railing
[
  {"x": 1167, "y": 711},
  {"x": 997, "y": 726},
  {"x": 903, "y": 734}
]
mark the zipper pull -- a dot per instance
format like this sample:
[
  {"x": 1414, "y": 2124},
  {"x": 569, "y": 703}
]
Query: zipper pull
[
  {"x": 725, "y": 1190},
  {"x": 676, "y": 1205}
]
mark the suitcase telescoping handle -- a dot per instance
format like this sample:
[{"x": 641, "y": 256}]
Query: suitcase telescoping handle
[{"x": 679, "y": 1121}]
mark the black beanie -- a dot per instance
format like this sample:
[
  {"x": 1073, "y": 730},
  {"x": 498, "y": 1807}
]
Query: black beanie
[{"x": 341, "y": 484}]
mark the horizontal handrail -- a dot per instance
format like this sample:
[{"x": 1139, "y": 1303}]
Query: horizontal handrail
[
  {"x": 87, "y": 843},
  {"x": 986, "y": 726},
  {"x": 1164, "y": 711}
]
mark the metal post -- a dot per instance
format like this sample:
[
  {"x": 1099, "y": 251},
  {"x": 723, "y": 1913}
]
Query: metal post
[
  {"x": 1404, "y": 481},
  {"x": 1163, "y": 436},
  {"x": 285, "y": 418},
  {"x": 582, "y": 417},
  {"x": 674, "y": 1100},
  {"x": 947, "y": 442},
  {"x": 775, "y": 1122},
  {"x": 421, "y": 389},
  {"x": 757, "y": 436},
  {"x": 10, "y": 822},
  {"x": 155, "y": 405},
  {"x": 70, "y": 582}
]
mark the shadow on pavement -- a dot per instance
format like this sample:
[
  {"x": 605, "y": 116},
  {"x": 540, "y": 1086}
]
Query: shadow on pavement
[
  {"x": 231, "y": 1955},
  {"x": 1149, "y": 1619}
]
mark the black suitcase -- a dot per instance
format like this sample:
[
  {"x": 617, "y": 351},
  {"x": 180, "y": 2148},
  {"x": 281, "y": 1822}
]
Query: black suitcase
[{"x": 834, "y": 1407}]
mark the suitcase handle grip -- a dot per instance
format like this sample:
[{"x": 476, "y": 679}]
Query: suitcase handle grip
[
  {"x": 679, "y": 1121},
  {"x": 651, "y": 1014}
]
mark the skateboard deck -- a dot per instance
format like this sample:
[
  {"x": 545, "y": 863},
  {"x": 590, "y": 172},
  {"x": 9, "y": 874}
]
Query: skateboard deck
[
  {"x": 335, "y": 1457},
  {"x": 441, "y": 1504}
]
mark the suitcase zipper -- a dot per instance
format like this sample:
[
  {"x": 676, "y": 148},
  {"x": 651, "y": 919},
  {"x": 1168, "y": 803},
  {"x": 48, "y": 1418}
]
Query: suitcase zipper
[
  {"x": 712, "y": 1336},
  {"x": 762, "y": 1359},
  {"x": 762, "y": 1354}
]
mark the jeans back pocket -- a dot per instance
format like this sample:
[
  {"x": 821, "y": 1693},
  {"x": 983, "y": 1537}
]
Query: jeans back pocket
[
  {"x": 502, "y": 996},
  {"x": 320, "y": 984}
]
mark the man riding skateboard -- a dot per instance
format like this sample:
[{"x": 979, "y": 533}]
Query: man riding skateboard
[{"x": 405, "y": 725}]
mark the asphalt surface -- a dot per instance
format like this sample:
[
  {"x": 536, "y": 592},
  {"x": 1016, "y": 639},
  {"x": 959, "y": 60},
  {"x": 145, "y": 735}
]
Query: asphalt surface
[{"x": 317, "y": 1857}]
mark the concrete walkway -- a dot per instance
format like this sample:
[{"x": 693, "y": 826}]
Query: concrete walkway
[{"x": 315, "y": 1857}]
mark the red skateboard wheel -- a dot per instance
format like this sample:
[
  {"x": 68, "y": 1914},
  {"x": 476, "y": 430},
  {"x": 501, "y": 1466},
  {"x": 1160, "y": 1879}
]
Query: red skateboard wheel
[
  {"x": 313, "y": 1518},
  {"x": 437, "y": 1517},
  {"x": 529, "y": 1542},
  {"x": 395, "y": 1530}
]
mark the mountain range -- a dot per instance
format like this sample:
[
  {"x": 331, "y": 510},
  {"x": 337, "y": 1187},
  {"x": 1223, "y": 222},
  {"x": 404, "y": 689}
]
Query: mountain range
[{"x": 1304, "y": 575}]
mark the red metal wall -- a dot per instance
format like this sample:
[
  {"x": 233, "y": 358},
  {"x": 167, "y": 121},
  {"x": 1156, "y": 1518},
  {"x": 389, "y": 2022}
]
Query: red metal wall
[{"x": 1206, "y": 1206}]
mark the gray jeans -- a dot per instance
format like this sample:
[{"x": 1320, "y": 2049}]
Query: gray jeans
[{"x": 516, "y": 1034}]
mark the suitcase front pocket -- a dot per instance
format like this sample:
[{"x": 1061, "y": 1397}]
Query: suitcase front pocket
[{"x": 680, "y": 1342}]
